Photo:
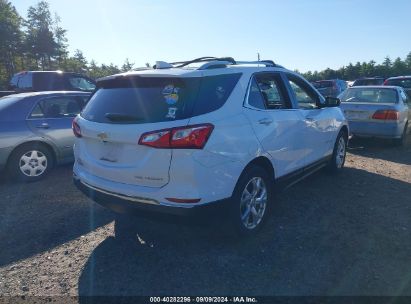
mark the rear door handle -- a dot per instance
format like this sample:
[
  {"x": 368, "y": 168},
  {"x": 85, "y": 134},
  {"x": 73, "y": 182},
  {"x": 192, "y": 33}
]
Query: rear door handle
[
  {"x": 44, "y": 125},
  {"x": 265, "y": 121}
]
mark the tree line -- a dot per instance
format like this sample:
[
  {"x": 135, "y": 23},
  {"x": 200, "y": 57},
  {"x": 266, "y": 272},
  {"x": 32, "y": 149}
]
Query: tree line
[
  {"x": 38, "y": 42},
  {"x": 387, "y": 68}
]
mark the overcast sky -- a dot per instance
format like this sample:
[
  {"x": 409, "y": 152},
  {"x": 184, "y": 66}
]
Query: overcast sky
[{"x": 299, "y": 34}]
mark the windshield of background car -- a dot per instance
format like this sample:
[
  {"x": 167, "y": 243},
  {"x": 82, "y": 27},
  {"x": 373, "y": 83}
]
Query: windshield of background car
[
  {"x": 405, "y": 82},
  {"x": 81, "y": 83},
  {"x": 134, "y": 100},
  {"x": 374, "y": 95},
  {"x": 323, "y": 84}
]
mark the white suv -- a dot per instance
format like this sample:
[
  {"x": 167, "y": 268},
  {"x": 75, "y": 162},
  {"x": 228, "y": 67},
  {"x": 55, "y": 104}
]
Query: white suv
[{"x": 176, "y": 137}]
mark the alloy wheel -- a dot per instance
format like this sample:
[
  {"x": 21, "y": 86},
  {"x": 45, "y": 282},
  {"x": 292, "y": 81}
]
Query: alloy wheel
[{"x": 253, "y": 203}]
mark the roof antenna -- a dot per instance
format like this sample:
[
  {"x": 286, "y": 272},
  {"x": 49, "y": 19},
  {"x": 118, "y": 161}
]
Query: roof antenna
[{"x": 258, "y": 56}]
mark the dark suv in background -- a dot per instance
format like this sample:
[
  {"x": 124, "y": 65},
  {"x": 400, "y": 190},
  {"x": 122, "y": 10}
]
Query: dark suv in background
[
  {"x": 331, "y": 87},
  {"x": 369, "y": 81},
  {"x": 400, "y": 81},
  {"x": 35, "y": 81}
]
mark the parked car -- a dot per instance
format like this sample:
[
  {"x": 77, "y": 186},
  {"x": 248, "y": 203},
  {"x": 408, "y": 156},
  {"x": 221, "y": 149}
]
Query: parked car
[
  {"x": 35, "y": 131},
  {"x": 177, "y": 138},
  {"x": 36, "y": 81},
  {"x": 333, "y": 87},
  {"x": 368, "y": 81},
  {"x": 377, "y": 111},
  {"x": 400, "y": 81}
]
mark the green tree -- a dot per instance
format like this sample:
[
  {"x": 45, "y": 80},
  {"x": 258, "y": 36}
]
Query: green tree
[
  {"x": 40, "y": 44},
  {"x": 408, "y": 61},
  {"x": 61, "y": 40},
  {"x": 127, "y": 66},
  {"x": 77, "y": 63},
  {"x": 10, "y": 40},
  {"x": 399, "y": 67}
]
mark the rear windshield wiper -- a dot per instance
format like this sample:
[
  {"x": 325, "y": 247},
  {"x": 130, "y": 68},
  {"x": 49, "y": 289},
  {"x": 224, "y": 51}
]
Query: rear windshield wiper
[{"x": 119, "y": 117}]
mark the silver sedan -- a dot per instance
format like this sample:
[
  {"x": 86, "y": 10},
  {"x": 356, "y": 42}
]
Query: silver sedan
[
  {"x": 377, "y": 111},
  {"x": 35, "y": 131}
]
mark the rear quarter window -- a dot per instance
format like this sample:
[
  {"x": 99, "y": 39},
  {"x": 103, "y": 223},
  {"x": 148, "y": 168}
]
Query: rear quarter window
[{"x": 214, "y": 92}]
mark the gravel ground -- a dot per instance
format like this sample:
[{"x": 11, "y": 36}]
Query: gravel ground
[{"x": 341, "y": 235}]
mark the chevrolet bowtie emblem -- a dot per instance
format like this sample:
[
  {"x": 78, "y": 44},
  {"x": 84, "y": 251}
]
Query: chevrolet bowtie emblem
[{"x": 103, "y": 136}]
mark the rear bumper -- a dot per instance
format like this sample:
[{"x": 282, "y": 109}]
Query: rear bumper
[
  {"x": 4, "y": 155},
  {"x": 373, "y": 129},
  {"x": 142, "y": 206}
]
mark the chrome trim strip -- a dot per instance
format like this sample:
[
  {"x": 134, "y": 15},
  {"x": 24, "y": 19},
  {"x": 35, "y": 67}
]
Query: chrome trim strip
[
  {"x": 141, "y": 199},
  {"x": 125, "y": 197}
]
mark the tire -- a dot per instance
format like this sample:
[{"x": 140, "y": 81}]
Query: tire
[
  {"x": 125, "y": 228},
  {"x": 400, "y": 142},
  {"x": 30, "y": 162},
  {"x": 337, "y": 160},
  {"x": 247, "y": 216}
]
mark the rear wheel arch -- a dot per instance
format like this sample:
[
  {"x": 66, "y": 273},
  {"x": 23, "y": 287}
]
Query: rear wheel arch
[
  {"x": 262, "y": 162},
  {"x": 344, "y": 129}
]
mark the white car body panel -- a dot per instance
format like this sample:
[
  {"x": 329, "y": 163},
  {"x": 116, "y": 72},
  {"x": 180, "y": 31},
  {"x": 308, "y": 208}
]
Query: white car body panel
[{"x": 293, "y": 140}]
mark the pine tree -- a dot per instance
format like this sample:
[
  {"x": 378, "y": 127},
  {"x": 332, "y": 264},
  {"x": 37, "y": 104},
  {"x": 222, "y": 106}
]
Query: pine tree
[
  {"x": 127, "y": 66},
  {"x": 10, "y": 40},
  {"x": 61, "y": 40},
  {"x": 40, "y": 43}
]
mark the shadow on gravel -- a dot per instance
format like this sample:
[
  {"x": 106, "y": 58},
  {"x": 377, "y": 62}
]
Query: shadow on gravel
[
  {"x": 381, "y": 149},
  {"x": 38, "y": 216},
  {"x": 345, "y": 235}
]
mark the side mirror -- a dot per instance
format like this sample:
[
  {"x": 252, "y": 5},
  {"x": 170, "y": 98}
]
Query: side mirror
[{"x": 330, "y": 102}]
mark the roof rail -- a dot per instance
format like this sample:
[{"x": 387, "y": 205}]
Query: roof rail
[
  {"x": 267, "y": 63},
  {"x": 181, "y": 64},
  {"x": 213, "y": 63}
]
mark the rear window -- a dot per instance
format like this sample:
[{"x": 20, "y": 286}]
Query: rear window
[
  {"x": 367, "y": 82},
  {"x": 323, "y": 84},
  {"x": 403, "y": 82},
  {"x": 134, "y": 100},
  {"x": 5, "y": 102},
  {"x": 7, "y": 108},
  {"x": 25, "y": 82},
  {"x": 370, "y": 95}
]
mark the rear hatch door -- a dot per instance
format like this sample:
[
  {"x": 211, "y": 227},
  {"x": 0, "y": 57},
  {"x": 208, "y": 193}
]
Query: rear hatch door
[{"x": 118, "y": 114}]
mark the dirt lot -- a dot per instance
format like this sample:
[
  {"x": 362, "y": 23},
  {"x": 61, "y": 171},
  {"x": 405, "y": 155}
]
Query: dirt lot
[{"x": 344, "y": 235}]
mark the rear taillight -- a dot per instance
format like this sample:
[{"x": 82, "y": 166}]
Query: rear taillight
[
  {"x": 76, "y": 128},
  {"x": 189, "y": 137},
  {"x": 386, "y": 115}
]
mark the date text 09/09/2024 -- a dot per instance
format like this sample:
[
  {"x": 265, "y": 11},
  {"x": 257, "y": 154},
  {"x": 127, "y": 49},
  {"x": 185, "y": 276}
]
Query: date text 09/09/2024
[{"x": 203, "y": 300}]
